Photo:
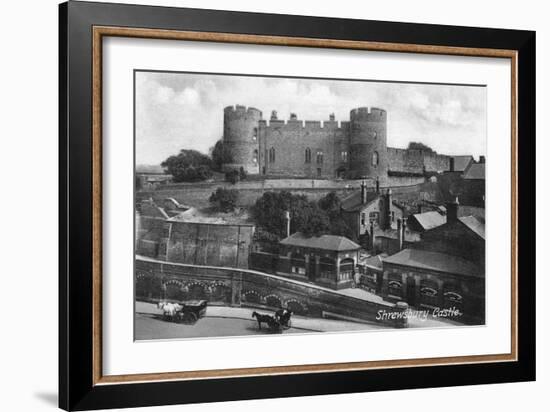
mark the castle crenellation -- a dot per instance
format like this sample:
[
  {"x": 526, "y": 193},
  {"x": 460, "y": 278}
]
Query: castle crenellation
[{"x": 354, "y": 148}]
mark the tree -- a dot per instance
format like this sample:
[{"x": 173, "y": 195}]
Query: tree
[
  {"x": 220, "y": 155},
  {"x": 225, "y": 199},
  {"x": 188, "y": 166},
  {"x": 242, "y": 174},
  {"x": 232, "y": 176},
  {"x": 331, "y": 204},
  {"x": 419, "y": 146},
  {"x": 306, "y": 217}
]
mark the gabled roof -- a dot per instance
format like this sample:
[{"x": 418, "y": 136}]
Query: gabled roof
[
  {"x": 352, "y": 203},
  {"x": 325, "y": 242},
  {"x": 374, "y": 261},
  {"x": 440, "y": 262},
  {"x": 430, "y": 220},
  {"x": 474, "y": 224},
  {"x": 475, "y": 171},
  {"x": 462, "y": 162}
]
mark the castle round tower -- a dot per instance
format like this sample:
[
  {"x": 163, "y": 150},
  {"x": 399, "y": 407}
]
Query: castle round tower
[
  {"x": 240, "y": 138},
  {"x": 368, "y": 152}
]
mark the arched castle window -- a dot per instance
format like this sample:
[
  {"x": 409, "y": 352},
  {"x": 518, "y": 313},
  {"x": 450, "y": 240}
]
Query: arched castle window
[
  {"x": 344, "y": 156},
  {"x": 319, "y": 157},
  {"x": 272, "y": 155},
  {"x": 255, "y": 134},
  {"x": 375, "y": 159},
  {"x": 308, "y": 155},
  {"x": 255, "y": 158}
]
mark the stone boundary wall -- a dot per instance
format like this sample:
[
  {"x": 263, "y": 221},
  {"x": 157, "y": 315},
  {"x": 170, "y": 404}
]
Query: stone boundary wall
[{"x": 158, "y": 280}]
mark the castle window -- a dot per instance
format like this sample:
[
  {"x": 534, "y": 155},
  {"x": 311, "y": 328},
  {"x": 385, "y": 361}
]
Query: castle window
[
  {"x": 375, "y": 159},
  {"x": 255, "y": 158},
  {"x": 255, "y": 134},
  {"x": 272, "y": 155},
  {"x": 344, "y": 156},
  {"x": 308, "y": 155},
  {"x": 319, "y": 157}
]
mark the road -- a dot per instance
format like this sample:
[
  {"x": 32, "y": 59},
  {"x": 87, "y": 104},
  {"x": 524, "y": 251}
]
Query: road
[{"x": 228, "y": 321}]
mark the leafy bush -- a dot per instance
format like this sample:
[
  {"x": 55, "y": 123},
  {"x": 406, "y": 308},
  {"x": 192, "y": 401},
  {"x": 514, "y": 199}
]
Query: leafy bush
[
  {"x": 232, "y": 176},
  {"x": 188, "y": 166},
  {"x": 224, "y": 199}
]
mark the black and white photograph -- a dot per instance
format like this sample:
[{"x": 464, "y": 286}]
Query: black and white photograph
[{"x": 286, "y": 205}]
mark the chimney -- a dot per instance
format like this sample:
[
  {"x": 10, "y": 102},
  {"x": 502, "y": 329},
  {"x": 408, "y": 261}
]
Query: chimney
[
  {"x": 400, "y": 234},
  {"x": 419, "y": 208},
  {"x": 287, "y": 217},
  {"x": 481, "y": 159},
  {"x": 377, "y": 185},
  {"x": 293, "y": 116},
  {"x": 372, "y": 239},
  {"x": 363, "y": 192},
  {"x": 332, "y": 117},
  {"x": 452, "y": 211},
  {"x": 274, "y": 115},
  {"x": 387, "y": 210}
]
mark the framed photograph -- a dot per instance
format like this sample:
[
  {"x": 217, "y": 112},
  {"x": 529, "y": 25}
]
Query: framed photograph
[{"x": 257, "y": 205}]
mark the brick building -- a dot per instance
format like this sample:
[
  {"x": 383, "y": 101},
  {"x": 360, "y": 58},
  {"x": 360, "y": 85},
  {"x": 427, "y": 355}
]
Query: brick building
[{"x": 445, "y": 269}]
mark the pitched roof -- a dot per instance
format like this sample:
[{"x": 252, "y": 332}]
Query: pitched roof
[
  {"x": 440, "y": 262},
  {"x": 474, "y": 224},
  {"x": 326, "y": 242},
  {"x": 352, "y": 203},
  {"x": 461, "y": 162},
  {"x": 430, "y": 220},
  {"x": 374, "y": 261},
  {"x": 475, "y": 171}
]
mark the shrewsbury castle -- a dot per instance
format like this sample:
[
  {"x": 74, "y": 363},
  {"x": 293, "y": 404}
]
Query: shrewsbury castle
[{"x": 348, "y": 149}]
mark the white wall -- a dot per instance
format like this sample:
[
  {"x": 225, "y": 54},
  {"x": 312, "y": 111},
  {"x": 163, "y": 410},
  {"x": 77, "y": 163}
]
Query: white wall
[{"x": 28, "y": 162}]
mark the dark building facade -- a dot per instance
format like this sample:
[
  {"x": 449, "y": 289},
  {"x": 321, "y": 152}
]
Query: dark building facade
[{"x": 445, "y": 270}]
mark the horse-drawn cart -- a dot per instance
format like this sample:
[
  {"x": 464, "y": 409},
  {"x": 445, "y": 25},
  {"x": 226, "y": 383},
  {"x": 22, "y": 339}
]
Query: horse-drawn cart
[
  {"x": 188, "y": 312},
  {"x": 278, "y": 322}
]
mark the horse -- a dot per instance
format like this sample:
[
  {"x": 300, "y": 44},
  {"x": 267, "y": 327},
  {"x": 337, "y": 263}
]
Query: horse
[
  {"x": 268, "y": 319},
  {"x": 169, "y": 309}
]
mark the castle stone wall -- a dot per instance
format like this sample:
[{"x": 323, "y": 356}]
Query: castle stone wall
[
  {"x": 289, "y": 142},
  {"x": 353, "y": 149}
]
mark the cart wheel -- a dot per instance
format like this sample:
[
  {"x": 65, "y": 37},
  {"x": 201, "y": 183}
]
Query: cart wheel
[{"x": 188, "y": 317}]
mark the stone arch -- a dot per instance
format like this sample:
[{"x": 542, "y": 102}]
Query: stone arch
[
  {"x": 251, "y": 296},
  {"x": 220, "y": 292},
  {"x": 297, "y": 307},
  {"x": 174, "y": 290},
  {"x": 273, "y": 301},
  {"x": 196, "y": 290}
]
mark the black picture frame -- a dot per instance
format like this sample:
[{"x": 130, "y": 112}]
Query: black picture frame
[{"x": 77, "y": 390}]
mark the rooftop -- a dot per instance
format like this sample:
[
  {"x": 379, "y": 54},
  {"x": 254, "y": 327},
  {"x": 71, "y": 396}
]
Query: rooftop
[
  {"x": 325, "y": 242},
  {"x": 475, "y": 224},
  {"x": 430, "y": 220},
  {"x": 353, "y": 203},
  {"x": 475, "y": 171},
  {"x": 462, "y": 162},
  {"x": 439, "y": 262}
]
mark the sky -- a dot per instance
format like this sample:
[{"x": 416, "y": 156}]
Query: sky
[{"x": 177, "y": 111}]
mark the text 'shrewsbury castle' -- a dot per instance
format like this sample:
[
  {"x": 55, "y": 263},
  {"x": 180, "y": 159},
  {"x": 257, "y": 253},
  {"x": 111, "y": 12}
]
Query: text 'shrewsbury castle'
[{"x": 351, "y": 149}]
